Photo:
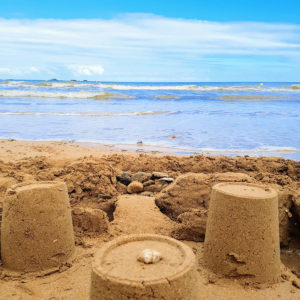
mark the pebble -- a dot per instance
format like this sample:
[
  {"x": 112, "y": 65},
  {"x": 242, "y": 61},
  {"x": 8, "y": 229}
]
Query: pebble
[
  {"x": 125, "y": 178},
  {"x": 141, "y": 176},
  {"x": 135, "y": 187}
]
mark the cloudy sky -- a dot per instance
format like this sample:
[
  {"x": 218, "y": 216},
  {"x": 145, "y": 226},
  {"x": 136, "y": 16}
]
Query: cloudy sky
[{"x": 111, "y": 41}]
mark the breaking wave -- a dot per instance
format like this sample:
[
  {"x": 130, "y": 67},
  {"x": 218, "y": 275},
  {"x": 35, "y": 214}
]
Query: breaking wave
[
  {"x": 61, "y": 95},
  {"x": 259, "y": 150},
  {"x": 86, "y": 114},
  {"x": 154, "y": 87},
  {"x": 199, "y": 88}
]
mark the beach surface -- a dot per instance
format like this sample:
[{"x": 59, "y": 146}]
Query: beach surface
[{"x": 173, "y": 201}]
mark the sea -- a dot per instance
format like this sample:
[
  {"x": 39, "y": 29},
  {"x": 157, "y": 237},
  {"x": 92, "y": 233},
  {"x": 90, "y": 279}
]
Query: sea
[{"x": 216, "y": 118}]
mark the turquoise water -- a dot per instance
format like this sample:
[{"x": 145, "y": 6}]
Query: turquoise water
[{"x": 227, "y": 118}]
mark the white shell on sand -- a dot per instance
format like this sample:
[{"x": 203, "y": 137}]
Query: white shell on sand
[
  {"x": 149, "y": 256},
  {"x": 167, "y": 179}
]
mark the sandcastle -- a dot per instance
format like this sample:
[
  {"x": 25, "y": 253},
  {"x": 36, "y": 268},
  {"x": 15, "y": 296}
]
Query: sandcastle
[
  {"x": 242, "y": 233},
  {"x": 144, "y": 266},
  {"x": 37, "y": 232}
]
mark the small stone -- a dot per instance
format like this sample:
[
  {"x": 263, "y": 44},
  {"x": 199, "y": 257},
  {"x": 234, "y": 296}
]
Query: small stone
[
  {"x": 159, "y": 175},
  {"x": 141, "y": 177},
  {"x": 135, "y": 187},
  {"x": 124, "y": 178}
]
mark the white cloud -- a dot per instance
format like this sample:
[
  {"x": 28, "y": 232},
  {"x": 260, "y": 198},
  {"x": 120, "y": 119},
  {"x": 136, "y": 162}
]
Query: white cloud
[
  {"x": 144, "y": 47},
  {"x": 87, "y": 70},
  {"x": 19, "y": 71}
]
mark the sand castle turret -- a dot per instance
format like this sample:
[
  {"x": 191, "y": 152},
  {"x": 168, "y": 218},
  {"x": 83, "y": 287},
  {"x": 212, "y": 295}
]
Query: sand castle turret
[
  {"x": 242, "y": 233},
  {"x": 37, "y": 232},
  {"x": 144, "y": 267}
]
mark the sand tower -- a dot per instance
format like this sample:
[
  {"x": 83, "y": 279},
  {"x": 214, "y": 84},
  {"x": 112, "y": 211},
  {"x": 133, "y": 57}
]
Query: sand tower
[
  {"x": 142, "y": 267},
  {"x": 37, "y": 232},
  {"x": 242, "y": 232}
]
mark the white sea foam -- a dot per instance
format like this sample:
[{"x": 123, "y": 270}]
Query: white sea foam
[
  {"x": 154, "y": 87},
  {"x": 197, "y": 88},
  {"x": 259, "y": 150},
  {"x": 266, "y": 150},
  {"x": 62, "y": 95},
  {"x": 85, "y": 114},
  {"x": 46, "y": 84},
  {"x": 277, "y": 149},
  {"x": 64, "y": 84}
]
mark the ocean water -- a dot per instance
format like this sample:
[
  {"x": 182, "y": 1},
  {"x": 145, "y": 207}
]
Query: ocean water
[{"x": 215, "y": 118}]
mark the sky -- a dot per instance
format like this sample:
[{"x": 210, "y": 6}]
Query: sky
[{"x": 186, "y": 41}]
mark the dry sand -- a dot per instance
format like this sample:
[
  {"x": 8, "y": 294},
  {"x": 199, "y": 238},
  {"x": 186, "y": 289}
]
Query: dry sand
[{"x": 102, "y": 210}]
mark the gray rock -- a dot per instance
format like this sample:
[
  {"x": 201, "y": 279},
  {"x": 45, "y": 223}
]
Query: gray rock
[
  {"x": 125, "y": 178},
  {"x": 141, "y": 177}
]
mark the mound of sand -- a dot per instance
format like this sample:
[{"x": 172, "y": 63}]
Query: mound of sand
[
  {"x": 100, "y": 212},
  {"x": 95, "y": 182}
]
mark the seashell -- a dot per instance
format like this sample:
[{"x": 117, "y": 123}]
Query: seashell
[
  {"x": 149, "y": 256},
  {"x": 167, "y": 179}
]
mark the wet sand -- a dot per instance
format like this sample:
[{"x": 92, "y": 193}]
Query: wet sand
[{"x": 97, "y": 178}]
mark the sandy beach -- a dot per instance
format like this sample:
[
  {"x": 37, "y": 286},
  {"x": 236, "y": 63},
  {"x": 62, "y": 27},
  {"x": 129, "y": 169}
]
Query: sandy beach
[
  {"x": 103, "y": 209},
  {"x": 149, "y": 150}
]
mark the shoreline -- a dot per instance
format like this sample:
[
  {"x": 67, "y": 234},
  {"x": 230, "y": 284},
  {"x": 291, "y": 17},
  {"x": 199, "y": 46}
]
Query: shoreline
[{"x": 9, "y": 147}]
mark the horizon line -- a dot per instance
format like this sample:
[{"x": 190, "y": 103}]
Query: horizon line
[{"x": 107, "y": 81}]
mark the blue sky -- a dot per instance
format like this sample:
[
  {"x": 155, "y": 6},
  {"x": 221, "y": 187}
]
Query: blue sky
[
  {"x": 151, "y": 40},
  {"x": 213, "y": 10}
]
